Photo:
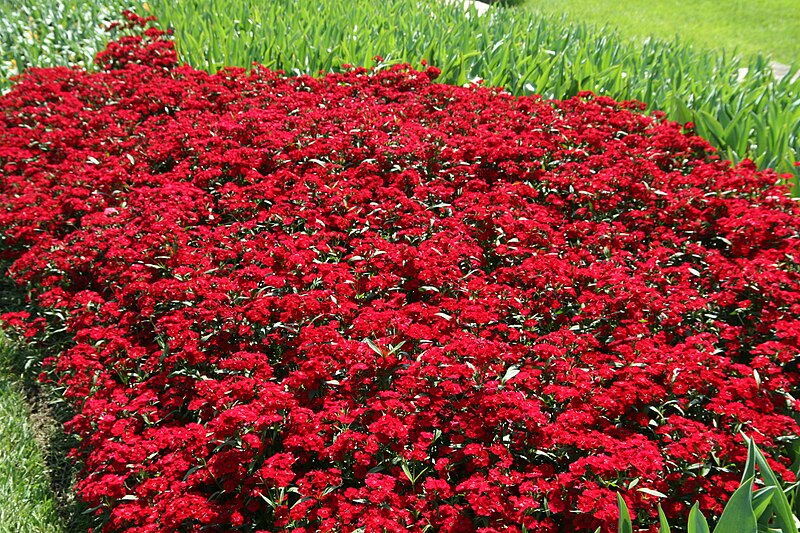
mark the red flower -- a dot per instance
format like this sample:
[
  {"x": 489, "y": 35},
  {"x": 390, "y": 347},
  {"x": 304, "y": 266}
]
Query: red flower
[{"x": 372, "y": 302}]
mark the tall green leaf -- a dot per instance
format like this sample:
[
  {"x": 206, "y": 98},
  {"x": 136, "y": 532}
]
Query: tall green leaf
[
  {"x": 750, "y": 463},
  {"x": 784, "y": 518},
  {"x": 697, "y": 522},
  {"x": 624, "y": 525},
  {"x": 738, "y": 515},
  {"x": 663, "y": 526},
  {"x": 762, "y": 498}
]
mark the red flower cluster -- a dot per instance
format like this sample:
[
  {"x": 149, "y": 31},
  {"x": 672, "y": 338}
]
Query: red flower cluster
[{"x": 369, "y": 302}]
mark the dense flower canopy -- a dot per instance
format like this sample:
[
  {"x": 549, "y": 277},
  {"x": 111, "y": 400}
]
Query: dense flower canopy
[{"x": 370, "y": 302}]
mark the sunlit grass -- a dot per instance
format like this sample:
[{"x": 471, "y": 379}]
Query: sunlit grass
[
  {"x": 27, "y": 504},
  {"x": 768, "y": 27}
]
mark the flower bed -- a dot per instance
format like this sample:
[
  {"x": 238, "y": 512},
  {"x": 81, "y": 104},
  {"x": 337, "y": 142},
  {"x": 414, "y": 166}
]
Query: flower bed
[{"x": 369, "y": 302}]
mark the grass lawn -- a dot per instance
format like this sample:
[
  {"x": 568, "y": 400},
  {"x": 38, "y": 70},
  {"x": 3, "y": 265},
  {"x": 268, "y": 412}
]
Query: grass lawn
[
  {"x": 27, "y": 504},
  {"x": 769, "y": 27}
]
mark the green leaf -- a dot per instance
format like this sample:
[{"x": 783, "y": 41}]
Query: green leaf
[
  {"x": 624, "y": 525},
  {"x": 652, "y": 492},
  {"x": 697, "y": 522},
  {"x": 750, "y": 463},
  {"x": 374, "y": 347},
  {"x": 407, "y": 472},
  {"x": 681, "y": 111},
  {"x": 761, "y": 500},
  {"x": 738, "y": 515},
  {"x": 662, "y": 520},
  {"x": 784, "y": 518},
  {"x": 510, "y": 373}
]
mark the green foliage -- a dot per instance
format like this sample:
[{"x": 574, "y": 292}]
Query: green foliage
[
  {"x": 697, "y": 522},
  {"x": 663, "y": 524},
  {"x": 27, "y": 504},
  {"x": 43, "y": 33},
  {"x": 625, "y": 524},
  {"x": 739, "y": 516},
  {"x": 764, "y": 510},
  {"x": 752, "y": 27}
]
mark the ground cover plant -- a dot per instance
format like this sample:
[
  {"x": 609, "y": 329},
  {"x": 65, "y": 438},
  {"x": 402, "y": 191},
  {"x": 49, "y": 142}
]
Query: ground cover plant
[
  {"x": 36, "y": 473},
  {"x": 516, "y": 48},
  {"x": 758, "y": 27},
  {"x": 372, "y": 302}
]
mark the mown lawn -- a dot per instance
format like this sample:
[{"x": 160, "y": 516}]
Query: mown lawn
[
  {"x": 769, "y": 27},
  {"x": 26, "y": 501}
]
